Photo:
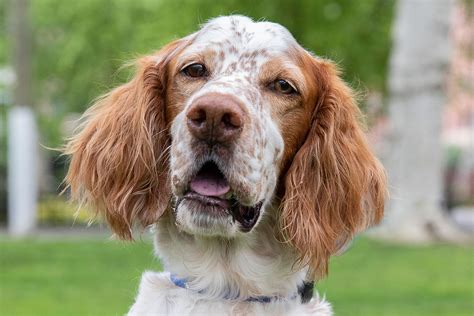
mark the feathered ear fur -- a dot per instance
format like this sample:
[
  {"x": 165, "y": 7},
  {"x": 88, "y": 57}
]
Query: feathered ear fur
[
  {"x": 335, "y": 186},
  {"x": 119, "y": 160}
]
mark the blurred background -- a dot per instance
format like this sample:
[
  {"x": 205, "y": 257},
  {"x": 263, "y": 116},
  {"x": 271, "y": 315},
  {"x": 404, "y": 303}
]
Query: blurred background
[{"x": 412, "y": 61}]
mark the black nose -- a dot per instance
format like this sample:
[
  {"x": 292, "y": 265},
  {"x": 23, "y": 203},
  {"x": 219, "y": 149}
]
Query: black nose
[{"x": 216, "y": 118}]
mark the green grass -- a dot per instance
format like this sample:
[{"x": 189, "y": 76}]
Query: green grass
[
  {"x": 75, "y": 277},
  {"x": 373, "y": 278},
  {"x": 96, "y": 277}
]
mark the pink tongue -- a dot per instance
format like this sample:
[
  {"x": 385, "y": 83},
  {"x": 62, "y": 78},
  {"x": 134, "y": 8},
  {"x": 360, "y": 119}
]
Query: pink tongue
[{"x": 210, "y": 182}]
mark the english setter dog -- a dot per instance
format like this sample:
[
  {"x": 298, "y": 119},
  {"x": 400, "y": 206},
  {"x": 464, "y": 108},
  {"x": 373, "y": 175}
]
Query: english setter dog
[{"x": 245, "y": 154}]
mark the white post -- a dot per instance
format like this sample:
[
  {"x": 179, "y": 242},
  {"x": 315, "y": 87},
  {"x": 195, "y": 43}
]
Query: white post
[{"x": 22, "y": 171}]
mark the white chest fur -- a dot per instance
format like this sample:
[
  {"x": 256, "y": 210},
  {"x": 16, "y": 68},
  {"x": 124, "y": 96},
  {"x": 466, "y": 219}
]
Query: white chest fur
[{"x": 159, "y": 296}]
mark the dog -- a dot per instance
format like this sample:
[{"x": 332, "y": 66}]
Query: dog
[{"x": 245, "y": 154}]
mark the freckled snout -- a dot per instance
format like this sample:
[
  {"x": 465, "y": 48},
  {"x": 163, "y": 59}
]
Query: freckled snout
[{"x": 216, "y": 118}]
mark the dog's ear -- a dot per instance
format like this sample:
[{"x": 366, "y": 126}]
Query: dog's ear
[
  {"x": 334, "y": 186},
  {"x": 119, "y": 159}
]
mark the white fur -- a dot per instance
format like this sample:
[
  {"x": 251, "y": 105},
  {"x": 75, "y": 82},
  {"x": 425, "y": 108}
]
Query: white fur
[
  {"x": 158, "y": 296},
  {"x": 253, "y": 165},
  {"x": 256, "y": 264}
]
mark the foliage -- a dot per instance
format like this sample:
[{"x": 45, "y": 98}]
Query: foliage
[
  {"x": 96, "y": 277},
  {"x": 54, "y": 210},
  {"x": 3, "y": 33}
]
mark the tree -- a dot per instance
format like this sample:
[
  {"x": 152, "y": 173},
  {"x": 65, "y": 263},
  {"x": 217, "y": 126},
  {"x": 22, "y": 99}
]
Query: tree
[
  {"x": 418, "y": 71},
  {"x": 22, "y": 135}
]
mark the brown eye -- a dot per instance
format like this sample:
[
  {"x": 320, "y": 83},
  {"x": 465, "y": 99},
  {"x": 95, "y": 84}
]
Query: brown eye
[
  {"x": 282, "y": 86},
  {"x": 195, "y": 70}
]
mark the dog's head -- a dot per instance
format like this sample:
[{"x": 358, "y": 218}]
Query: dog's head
[{"x": 218, "y": 126}]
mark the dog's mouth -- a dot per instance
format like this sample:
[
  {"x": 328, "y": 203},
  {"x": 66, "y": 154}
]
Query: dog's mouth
[{"x": 211, "y": 190}]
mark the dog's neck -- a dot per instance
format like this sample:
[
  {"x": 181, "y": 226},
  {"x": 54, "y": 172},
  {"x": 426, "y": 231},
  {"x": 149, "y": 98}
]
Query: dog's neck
[{"x": 255, "y": 264}]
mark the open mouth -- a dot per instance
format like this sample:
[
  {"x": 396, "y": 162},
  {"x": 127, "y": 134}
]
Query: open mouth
[{"x": 212, "y": 191}]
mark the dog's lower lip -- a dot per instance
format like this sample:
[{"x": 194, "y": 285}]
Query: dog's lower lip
[
  {"x": 207, "y": 200},
  {"x": 246, "y": 216}
]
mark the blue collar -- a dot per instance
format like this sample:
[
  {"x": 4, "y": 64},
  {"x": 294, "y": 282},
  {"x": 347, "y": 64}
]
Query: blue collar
[{"x": 183, "y": 283}]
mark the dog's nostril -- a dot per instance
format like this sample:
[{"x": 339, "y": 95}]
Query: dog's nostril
[
  {"x": 231, "y": 121},
  {"x": 197, "y": 117}
]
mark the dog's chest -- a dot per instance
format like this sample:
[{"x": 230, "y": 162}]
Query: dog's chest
[{"x": 157, "y": 295}]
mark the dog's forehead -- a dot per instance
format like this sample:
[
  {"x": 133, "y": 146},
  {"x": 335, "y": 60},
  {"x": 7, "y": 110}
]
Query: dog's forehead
[{"x": 240, "y": 34}]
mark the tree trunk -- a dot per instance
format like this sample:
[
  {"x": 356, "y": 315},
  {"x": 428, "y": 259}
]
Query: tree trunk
[
  {"x": 22, "y": 131},
  {"x": 418, "y": 71}
]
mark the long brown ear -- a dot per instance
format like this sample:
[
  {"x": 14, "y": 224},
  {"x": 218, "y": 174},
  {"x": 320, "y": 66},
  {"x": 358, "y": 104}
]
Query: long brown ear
[
  {"x": 119, "y": 160},
  {"x": 335, "y": 186}
]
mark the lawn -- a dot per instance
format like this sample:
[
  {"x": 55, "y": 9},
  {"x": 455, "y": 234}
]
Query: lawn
[{"x": 99, "y": 277}]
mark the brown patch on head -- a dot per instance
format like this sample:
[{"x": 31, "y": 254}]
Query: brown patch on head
[
  {"x": 180, "y": 87},
  {"x": 292, "y": 113}
]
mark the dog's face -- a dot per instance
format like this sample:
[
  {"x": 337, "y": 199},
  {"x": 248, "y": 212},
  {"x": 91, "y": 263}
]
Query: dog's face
[
  {"x": 217, "y": 126},
  {"x": 235, "y": 103}
]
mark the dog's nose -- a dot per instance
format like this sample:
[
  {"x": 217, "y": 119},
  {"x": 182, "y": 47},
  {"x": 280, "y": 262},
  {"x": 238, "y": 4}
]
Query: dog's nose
[{"x": 216, "y": 118}]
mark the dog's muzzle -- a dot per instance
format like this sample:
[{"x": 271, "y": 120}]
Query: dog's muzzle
[{"x": 210, "y": 193}]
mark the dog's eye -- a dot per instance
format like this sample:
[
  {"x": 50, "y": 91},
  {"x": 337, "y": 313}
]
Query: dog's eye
[
  {"x": 283, "y": 86},
  {"x": 195, "y": 70}
]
